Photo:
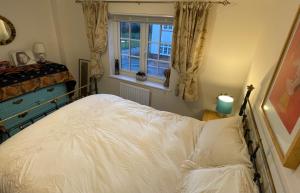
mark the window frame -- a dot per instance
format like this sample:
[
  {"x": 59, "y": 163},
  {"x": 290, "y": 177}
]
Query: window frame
[
  {"x": 129, "y": 47},
  {"x": 144, "y": 33}
]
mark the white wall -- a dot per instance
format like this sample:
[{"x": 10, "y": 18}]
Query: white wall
[
  {"x": 232, "y": 38},
  {"x": 70, "y": 29},
  {"x": 277, "y": 20},
  {"x": 33, "y": 22}
]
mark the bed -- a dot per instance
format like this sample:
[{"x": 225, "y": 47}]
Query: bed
[{"x": 106, "y": 144}]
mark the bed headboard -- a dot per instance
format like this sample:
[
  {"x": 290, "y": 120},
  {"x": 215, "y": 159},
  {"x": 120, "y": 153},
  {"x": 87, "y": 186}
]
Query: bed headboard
[{"x": 262, "y": 175}]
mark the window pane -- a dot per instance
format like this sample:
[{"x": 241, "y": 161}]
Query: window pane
[
  {"x": 151, "y": 68},
  {"x": 161, "y": 72},
  {"x": 153, "y": 50},
  {"x": 154, "y": 33},
  {"x": 125, "y": 62},
  {"x": 152, "y": 63},
  {"x": 135, "y": 31},
  {"x": 166, "y": 36},
  {"x": 135, "y": 47},
  {"x": 165, "y": 52},
  {"x": 124, "y": 47},
  {"x": 152, "y": 71},
  {"x": 165, "y": 65},
  {"x": 124, "y": 28},
  {"x": 135, "y": 64}
]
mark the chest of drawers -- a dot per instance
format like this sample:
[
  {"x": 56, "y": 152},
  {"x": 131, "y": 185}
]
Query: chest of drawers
[{"x": 24, "y": 102}]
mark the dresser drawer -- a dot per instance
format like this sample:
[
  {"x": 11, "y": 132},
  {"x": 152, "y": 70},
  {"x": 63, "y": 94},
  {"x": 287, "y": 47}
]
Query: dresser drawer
[
  {"x": 51, "y": 92},
  {"x": 46, "y": 108},
  {"x": 15, "y": 130},
  {"x": 29, "y": 100},
  {"x": 13, "y": 123},
  {"x": 18, "y": 104},
  {"x": 22, "y": 103}
]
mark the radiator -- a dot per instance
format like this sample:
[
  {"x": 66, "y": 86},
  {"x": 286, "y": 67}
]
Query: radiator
[{"x": 135, "y": 93}]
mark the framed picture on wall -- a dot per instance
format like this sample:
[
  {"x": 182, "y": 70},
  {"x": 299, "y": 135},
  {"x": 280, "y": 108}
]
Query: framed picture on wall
[{"x": 281, "y": 105}]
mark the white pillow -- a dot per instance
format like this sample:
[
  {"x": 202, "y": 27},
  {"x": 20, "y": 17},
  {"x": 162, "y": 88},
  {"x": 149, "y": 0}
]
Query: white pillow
[
  {"x": 221, "y": 143},
  {"x": 229, "y": 179}
]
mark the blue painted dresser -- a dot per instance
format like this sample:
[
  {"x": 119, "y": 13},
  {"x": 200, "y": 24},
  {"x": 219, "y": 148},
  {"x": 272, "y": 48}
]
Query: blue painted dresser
[{"x": 24, "y": 102}]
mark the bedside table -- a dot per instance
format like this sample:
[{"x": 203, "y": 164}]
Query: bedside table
[{"x": 210, "y": 115}]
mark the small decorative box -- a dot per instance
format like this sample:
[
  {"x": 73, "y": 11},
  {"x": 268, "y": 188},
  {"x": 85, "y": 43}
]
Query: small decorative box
[{"x": 141, "y": 76}]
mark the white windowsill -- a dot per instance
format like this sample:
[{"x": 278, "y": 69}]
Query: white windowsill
[{"x": 144, "y": 83}]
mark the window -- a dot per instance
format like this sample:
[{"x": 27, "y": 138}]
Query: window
[
  {"x": 130, "y": 46},
  {"x": 144, "y": 47},
  {"x": 159, "y": 49}
]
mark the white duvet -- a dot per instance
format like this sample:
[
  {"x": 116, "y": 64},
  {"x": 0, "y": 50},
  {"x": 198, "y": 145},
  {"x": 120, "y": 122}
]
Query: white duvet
[{"x": 99, "y": 144}]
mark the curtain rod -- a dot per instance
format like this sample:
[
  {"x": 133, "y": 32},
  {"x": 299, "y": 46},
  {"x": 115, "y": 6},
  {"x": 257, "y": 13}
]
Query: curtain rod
[{"x": 224, "y": 2}]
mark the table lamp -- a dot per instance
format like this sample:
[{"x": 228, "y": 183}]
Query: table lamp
[
  {"x": 224, "y": 104},
  {"x": 39, "y": 50}
]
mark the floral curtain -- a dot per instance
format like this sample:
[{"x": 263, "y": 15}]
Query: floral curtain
[
  {"x": 96, "y": 20},
  {"x": 187, "y": 49}
]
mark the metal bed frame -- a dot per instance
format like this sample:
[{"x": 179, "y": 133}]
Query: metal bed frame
[{"x": 262, "y": 174}]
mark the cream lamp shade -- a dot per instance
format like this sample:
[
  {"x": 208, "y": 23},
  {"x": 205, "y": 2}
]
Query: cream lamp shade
[
  {"x": 40, "y": 51},
  {"x": 39, "y": 48},
  {"x": 224, "y": 104}
]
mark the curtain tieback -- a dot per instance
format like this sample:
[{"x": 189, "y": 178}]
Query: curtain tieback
[
  {"x": 184, "y": 77},
  {"x": 96, "y": 70},
  {"x": 95, "y": 56}
]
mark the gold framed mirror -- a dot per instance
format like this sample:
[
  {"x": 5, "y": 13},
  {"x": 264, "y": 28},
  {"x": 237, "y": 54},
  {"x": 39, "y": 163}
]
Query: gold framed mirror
[{"x": 7, "y": 31}]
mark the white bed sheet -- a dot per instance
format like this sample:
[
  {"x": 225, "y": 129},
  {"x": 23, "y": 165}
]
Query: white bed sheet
[{"x": 99, "y": 144}]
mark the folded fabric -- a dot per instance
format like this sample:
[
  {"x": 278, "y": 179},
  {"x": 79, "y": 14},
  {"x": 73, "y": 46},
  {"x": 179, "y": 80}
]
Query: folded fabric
[{"x": 228, "y": 179}]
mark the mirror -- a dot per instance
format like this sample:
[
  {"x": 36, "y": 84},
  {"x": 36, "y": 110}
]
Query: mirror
[{"x": 7, "y": 31}]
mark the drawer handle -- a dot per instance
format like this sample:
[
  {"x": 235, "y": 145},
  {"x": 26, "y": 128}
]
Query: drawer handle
[
  {"x": 50, "y": 89},
  {"x": 54, "y": 101},
  {"x": 16, "y": 102},
  {"x": 22, "y": 115}
]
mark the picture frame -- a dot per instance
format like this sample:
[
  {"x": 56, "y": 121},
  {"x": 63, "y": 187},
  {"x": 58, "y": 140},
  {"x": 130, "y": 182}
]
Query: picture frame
[
  {"x": 22, "y": 57},
  {"x": 83, "y": 72},
  {"x": 281, "y": 104}
]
